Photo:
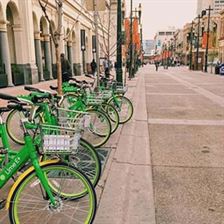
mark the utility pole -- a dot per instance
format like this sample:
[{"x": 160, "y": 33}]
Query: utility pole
[
  {"x": 207, "y": 43},
  {"x": 119, "y": 71},
  {"x": 131, "y": 43},
  {"x": 191, "y": 45},
  {"x": 97, "y": 41},
  {"x": 198, "y": 40}
]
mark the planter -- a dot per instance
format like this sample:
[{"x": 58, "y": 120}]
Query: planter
[
  {"x": 17, "y": 75},
  {"x": 3, "y": 80},
  {"x": 46, "y": 75}
]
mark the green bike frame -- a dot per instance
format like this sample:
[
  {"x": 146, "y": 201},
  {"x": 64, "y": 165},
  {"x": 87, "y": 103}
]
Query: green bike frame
[{"x": 19, "y": 159}]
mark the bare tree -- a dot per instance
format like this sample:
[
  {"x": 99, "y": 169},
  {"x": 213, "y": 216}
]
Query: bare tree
[
  {"x": 107, "y": 27},
  {"x": 56, "y": 36}
]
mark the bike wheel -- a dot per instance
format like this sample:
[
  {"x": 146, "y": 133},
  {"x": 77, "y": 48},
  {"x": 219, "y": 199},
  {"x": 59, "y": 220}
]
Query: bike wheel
[
  {"x": 87, "y": 160},
  {"x": 99, "y": 129},
  {"x": 29, "y": 204},
  {"x": 113, "y": 115},
  {"x": 123, "y": 106},
  {"x": 13, "y": 125}
]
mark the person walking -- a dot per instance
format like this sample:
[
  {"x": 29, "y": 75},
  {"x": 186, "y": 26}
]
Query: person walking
[
  {"x": 106, "y": 68},
  {"x": 93, "y": 67},
  {"x": 65, "y": 69},
  {"x": 157, "y": 65}
]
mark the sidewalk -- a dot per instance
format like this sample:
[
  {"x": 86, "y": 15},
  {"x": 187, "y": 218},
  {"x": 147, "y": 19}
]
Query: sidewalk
[
  {"x": 125, "y": 192},
  {"x": 127, "y": 195}
]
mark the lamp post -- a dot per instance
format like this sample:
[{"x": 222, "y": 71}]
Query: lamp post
[
  {"x": 141, "y": 31},
  {"x": 198, "y": 40},
  {"x": 131, "y": 42},
  {"x": 207, "y": 43},
  {"x": 191, "y": 45},
  {"x": 119, "y": 71}
]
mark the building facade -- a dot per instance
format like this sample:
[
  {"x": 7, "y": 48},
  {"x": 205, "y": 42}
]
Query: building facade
[
  {"x": 27, "y": 52},
  {"x": 148, "y": 47},
  {"x": 217, "y": 5},
  {"x": 203, "y": 4},
  {"x": 163, "y": 37},
  {"x": 179, "y": 55}
]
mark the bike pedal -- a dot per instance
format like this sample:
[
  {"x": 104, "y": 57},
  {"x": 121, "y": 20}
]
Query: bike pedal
[{"x": 2, "y": 204}]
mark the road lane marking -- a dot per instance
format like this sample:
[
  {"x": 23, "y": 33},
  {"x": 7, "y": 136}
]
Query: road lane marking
[{"x": 186, "y": 122}]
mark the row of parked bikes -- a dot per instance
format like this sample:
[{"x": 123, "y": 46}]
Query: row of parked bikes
[{"x": 57, "y": 166}]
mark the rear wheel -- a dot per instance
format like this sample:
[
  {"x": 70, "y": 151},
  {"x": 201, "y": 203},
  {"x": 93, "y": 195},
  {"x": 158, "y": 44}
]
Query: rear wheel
[{"x": 14, "y": 127}]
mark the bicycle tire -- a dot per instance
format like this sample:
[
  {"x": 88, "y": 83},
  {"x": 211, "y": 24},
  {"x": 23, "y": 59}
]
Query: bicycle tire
[{"x": 25, "y": 193}]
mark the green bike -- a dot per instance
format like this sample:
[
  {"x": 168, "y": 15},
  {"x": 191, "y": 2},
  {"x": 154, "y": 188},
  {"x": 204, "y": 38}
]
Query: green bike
[
  {"x": 43, "y": 191},
  {"x": 85, "y": 158}
]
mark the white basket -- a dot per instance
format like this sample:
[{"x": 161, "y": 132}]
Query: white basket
[
  {"x": 76, "y": 120},
  {"x": 59, "y": 140}
]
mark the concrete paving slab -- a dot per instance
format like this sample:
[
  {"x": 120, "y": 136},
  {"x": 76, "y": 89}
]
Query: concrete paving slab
[
  {"x": 187, "y": 146},
  {"x": 127, "y": 197},
  {"x": 189, "y": 196},
  {"x": 211, "y": 96},
  {"x": 157, "y": 88},
  {"x": 183, "y": 107}
]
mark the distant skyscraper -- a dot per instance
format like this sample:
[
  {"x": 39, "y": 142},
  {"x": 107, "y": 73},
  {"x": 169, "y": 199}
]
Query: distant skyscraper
[
  {"x": 148, "y": 46},
  {"x": 217, "y": 5},
  {"x": 204, "y": 4}
]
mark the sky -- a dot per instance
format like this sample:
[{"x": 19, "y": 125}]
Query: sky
[{"x": 160, "y": 14}]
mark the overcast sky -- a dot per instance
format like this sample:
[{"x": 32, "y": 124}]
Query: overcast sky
[{"x": 159, "y": 14}]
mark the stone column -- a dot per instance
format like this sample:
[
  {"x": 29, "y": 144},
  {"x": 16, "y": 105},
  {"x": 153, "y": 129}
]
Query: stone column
[
  {"x": 70, "y": 56},
  {"x": 79, "y": 53},
  {"x": 66, "y": 50},
  {"x": 47, "y": 51},
  {"x": 5, "y": 52},
  {"x": 38, "y": 54}
]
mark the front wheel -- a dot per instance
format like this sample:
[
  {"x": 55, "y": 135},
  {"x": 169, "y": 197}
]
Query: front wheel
[
  {"x": 123, "y": 106},
  {"x": 30, "y": 204},
  {"x": 99, "y": 129},
  {"x": 113, "y": 115}
]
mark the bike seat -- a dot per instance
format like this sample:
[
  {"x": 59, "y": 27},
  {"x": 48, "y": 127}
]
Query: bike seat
[
  {"x": 4, "y": 109},
  {"x": 53, "y": 87}
]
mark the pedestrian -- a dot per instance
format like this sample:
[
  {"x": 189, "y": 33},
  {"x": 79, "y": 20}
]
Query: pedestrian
[
  {"x": 217, "y": 67},
  {"x": 65, "y": 69},
  {"x": 106, "y": 66},
  {"x": 93, "y": 67},
  {"x": 157, "y": 65}
]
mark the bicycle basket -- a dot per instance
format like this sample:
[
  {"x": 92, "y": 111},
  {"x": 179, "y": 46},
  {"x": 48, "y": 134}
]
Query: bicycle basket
[
  {"x": 76, "y": 120},
  {"x": 59, "y": 140},
  {"x": 107, "y": 94},
  {"x": 94, "y": 99},
  {"x": 120, "y": 88}
]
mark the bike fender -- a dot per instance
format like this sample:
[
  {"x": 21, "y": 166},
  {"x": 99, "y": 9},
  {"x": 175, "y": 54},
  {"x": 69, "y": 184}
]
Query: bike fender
[{"x": 22, "y": 176}]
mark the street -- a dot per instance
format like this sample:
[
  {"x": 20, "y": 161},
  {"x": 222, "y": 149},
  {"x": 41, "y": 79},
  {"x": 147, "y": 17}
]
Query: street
[{"x": 166, "y": 164}]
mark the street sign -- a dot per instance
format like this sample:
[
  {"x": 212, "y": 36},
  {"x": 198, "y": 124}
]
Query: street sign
[{"x": 100, "y": 5}]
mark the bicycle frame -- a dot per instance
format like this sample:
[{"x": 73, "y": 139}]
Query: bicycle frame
[{"x": 26, "y": 153}]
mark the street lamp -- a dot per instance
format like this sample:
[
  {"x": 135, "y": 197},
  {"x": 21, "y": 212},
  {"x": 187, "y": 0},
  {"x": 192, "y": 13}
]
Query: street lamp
[
  {"x": 198, "y": 40},
  {"x": 207, "y": 43},
  {"x": 191, "y": 44},
  {"x": 119, "y": 71},
  {"x": 131, "y": 52}
]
